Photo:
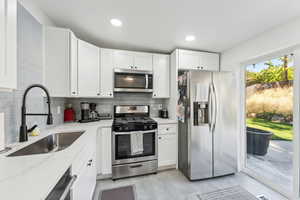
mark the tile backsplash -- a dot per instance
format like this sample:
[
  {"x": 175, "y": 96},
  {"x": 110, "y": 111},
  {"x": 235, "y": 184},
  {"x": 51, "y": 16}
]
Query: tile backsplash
[
  {"x": 106, "y": 105},
  {"x": 30, "y": 71}
]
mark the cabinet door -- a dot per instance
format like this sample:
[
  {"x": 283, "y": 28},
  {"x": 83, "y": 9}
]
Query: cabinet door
[
  {"x": 106, "y": 73},
  {"x": 123, "y": 59},
  {"x": 57, "y": 44},
  {"x": 167, "y": 149},
  {"x": 8, "y": 44},
  {"x": 209, "y": 61},
  {"x": 161, "y": 76},
  {"x": 104, "y": 163},
  {"x": 85, "y": 184},
  {"x": 88, "y": 69},
  {"x": 188, "y": 59},
  {"x": 73, "y": 64},
  {"x": 143, "y": 61},
  {"x": 2, "y": 41}
]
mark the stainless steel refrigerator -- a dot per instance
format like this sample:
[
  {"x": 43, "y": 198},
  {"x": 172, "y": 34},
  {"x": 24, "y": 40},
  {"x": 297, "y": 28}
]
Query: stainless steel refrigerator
[{"x": 207, "y": 113}]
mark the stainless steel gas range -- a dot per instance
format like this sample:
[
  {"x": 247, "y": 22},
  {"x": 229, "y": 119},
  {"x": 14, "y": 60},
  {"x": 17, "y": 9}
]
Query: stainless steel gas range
[{"x": 134, "y": 142}]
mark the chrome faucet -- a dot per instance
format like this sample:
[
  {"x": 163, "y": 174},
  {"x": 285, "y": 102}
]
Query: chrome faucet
[{"x": 23, "y": 129}]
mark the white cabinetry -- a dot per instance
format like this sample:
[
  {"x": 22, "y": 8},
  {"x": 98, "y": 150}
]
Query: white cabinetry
[
  {"x": 84, "y": 167},
  {"x": 104, "y": 162},
  {"x": 106, "y": 73},
  {"x": 8, "y": 44},
  {"x": 88, "y": 69},
  {"x": 195, "y": 60},
  {"x": 60, "y": 61},
  {"x": 85, "y": 184},
  {"x": 167, "y": 145},
  {"x": 161, "y": 76},
  {"x": 132, "y": 60}
]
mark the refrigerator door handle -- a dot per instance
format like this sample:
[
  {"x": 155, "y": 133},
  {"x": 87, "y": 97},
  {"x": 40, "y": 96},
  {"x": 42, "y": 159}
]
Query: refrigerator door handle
[
  {"x": 210, "y": 108},
  {"x": 215, "y": 110}
]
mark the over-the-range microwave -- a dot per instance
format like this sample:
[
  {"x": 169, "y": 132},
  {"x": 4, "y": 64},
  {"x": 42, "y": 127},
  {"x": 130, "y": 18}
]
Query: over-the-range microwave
[{"x": 133, "y": 81}]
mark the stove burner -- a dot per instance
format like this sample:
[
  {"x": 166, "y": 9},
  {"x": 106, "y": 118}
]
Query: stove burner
[{"x": 126, "y": 124}]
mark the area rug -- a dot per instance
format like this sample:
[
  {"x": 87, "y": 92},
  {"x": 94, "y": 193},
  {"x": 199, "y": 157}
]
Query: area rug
[
  {"x": 120, "y": 193},
  {"x": 232, "y": 193}
]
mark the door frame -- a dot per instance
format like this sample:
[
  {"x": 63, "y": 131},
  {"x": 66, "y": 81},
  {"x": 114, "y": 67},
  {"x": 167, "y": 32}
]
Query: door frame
[{"x": 296, "y": 126}]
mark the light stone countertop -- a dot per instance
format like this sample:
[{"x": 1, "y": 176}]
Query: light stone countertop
[
  {"x": 165, "y": 121},
  {"x": 33, "y": 177}
]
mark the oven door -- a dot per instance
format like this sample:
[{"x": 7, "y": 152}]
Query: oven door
[
  {"x": 121, "y": 147},
  {"x": 133, "y": 81}
]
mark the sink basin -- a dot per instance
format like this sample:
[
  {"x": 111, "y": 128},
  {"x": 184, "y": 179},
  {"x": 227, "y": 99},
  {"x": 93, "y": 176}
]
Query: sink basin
[{"x": 51, "y": 143}]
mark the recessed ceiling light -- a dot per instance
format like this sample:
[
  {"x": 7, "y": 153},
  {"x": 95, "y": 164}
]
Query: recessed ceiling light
[
  {"x": 190, "y": 38},
  {"x": 116, "y": 22}
]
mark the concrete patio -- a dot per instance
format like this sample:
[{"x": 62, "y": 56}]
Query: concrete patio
[{"x": 277, "y": 165}]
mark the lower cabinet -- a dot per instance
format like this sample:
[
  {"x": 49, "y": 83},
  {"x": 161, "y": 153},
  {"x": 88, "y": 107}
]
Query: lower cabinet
[
  {"x": 84, "y": 167},
  {"x": 104, "y": 153},
  {"x": 85, "y": 184},
  {"x": 167, "y": 145}
]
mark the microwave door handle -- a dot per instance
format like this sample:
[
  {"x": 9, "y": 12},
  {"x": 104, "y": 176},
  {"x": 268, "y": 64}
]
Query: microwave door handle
[{"x": 147, "y": 81}]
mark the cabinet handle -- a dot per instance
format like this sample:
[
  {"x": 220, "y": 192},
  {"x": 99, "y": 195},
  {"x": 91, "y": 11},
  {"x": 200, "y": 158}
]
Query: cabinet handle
[
  {"x": 155, "y": 95},
  {"x": 98, "y": 94},
  {"x": 110, "y": 94},
  {"x": 159, "y": 138},
  {"x": 135, "y": 67},
  {"x": 131, "y": 67},
  {"x": 167, "y": 129},
  {"x": 202, "y": 67},
  {"x": 73, "y": 92}
]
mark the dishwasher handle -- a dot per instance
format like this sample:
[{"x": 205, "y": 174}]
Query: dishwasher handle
[{"x": 68, "y": 188}]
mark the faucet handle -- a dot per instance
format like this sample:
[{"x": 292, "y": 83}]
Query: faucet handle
[{"x": 49, "y": 119}]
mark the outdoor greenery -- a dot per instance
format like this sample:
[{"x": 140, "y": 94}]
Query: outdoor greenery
[
  {"x": 281, "y": 131},
  {"x": 269, "y": 103},
  {"x": 273, "y": 73}
]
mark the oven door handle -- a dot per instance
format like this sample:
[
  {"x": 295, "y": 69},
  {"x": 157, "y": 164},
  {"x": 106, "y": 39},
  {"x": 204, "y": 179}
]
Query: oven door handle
[
  {"x": 68, "y": 188},
  {"x": 132, "y": 132}
]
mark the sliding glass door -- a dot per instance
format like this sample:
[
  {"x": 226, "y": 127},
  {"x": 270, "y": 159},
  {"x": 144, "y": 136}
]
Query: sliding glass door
[{"x": 269, "y": 102}]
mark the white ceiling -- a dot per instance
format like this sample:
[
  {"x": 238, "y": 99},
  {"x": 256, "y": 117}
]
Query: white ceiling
[{"x": 161, "y": 25}]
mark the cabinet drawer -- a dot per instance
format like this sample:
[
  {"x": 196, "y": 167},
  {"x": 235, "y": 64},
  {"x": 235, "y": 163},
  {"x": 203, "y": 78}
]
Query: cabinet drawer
[{"x": 167, "y": 129}]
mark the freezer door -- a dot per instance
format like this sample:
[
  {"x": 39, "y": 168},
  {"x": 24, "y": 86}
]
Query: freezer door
[
  {"x": 225, "y": 132},
  {"x": 201, "y": 158}
]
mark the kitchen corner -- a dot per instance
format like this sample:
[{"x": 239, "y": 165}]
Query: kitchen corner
[{"x": 23, "y": 172}]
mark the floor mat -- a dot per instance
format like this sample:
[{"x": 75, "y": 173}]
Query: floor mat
[
  {"x": 232, "y": 193},
  {"x": 120, "y": 193}
]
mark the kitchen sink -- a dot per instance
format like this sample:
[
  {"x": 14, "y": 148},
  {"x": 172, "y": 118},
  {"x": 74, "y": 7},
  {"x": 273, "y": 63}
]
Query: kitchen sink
[{"x": 51, "y": 143}]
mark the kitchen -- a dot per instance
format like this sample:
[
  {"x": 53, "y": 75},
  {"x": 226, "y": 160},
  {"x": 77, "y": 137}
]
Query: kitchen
[{"x": 83, "y": 117}]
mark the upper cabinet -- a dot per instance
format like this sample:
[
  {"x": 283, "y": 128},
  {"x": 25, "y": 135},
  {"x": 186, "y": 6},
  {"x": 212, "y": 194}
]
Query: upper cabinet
[
  {"x": 106, "y": 73},
  {"x": 60, "y": 62},
  {"x": 132, "y": 60},
  {"x": 161, "y": 76},
  {"x": 8, "y": 44},
  {"x": 88, "y": 69},
  {"x": 195, "y": 60}
]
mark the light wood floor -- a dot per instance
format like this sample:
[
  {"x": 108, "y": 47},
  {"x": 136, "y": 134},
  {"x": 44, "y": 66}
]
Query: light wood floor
[{"x": 172, "y": 185}]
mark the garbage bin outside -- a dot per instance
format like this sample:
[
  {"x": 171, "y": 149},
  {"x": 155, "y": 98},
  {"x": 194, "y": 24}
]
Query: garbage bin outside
[{"x": 258, "y": 141}]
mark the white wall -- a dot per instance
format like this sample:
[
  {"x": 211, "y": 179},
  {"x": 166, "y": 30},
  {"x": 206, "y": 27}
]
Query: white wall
[
  {"x": 36, "y": 12},
  {"x": 277, "y": 39}
]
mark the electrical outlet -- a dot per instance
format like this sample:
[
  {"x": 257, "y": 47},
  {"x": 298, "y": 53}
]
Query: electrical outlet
[
  {"x": 160, "y": 106},
  {"x": 58, "y": 110}
]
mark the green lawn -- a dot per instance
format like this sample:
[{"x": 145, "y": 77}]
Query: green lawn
[{"x": 280, "y": 131}]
